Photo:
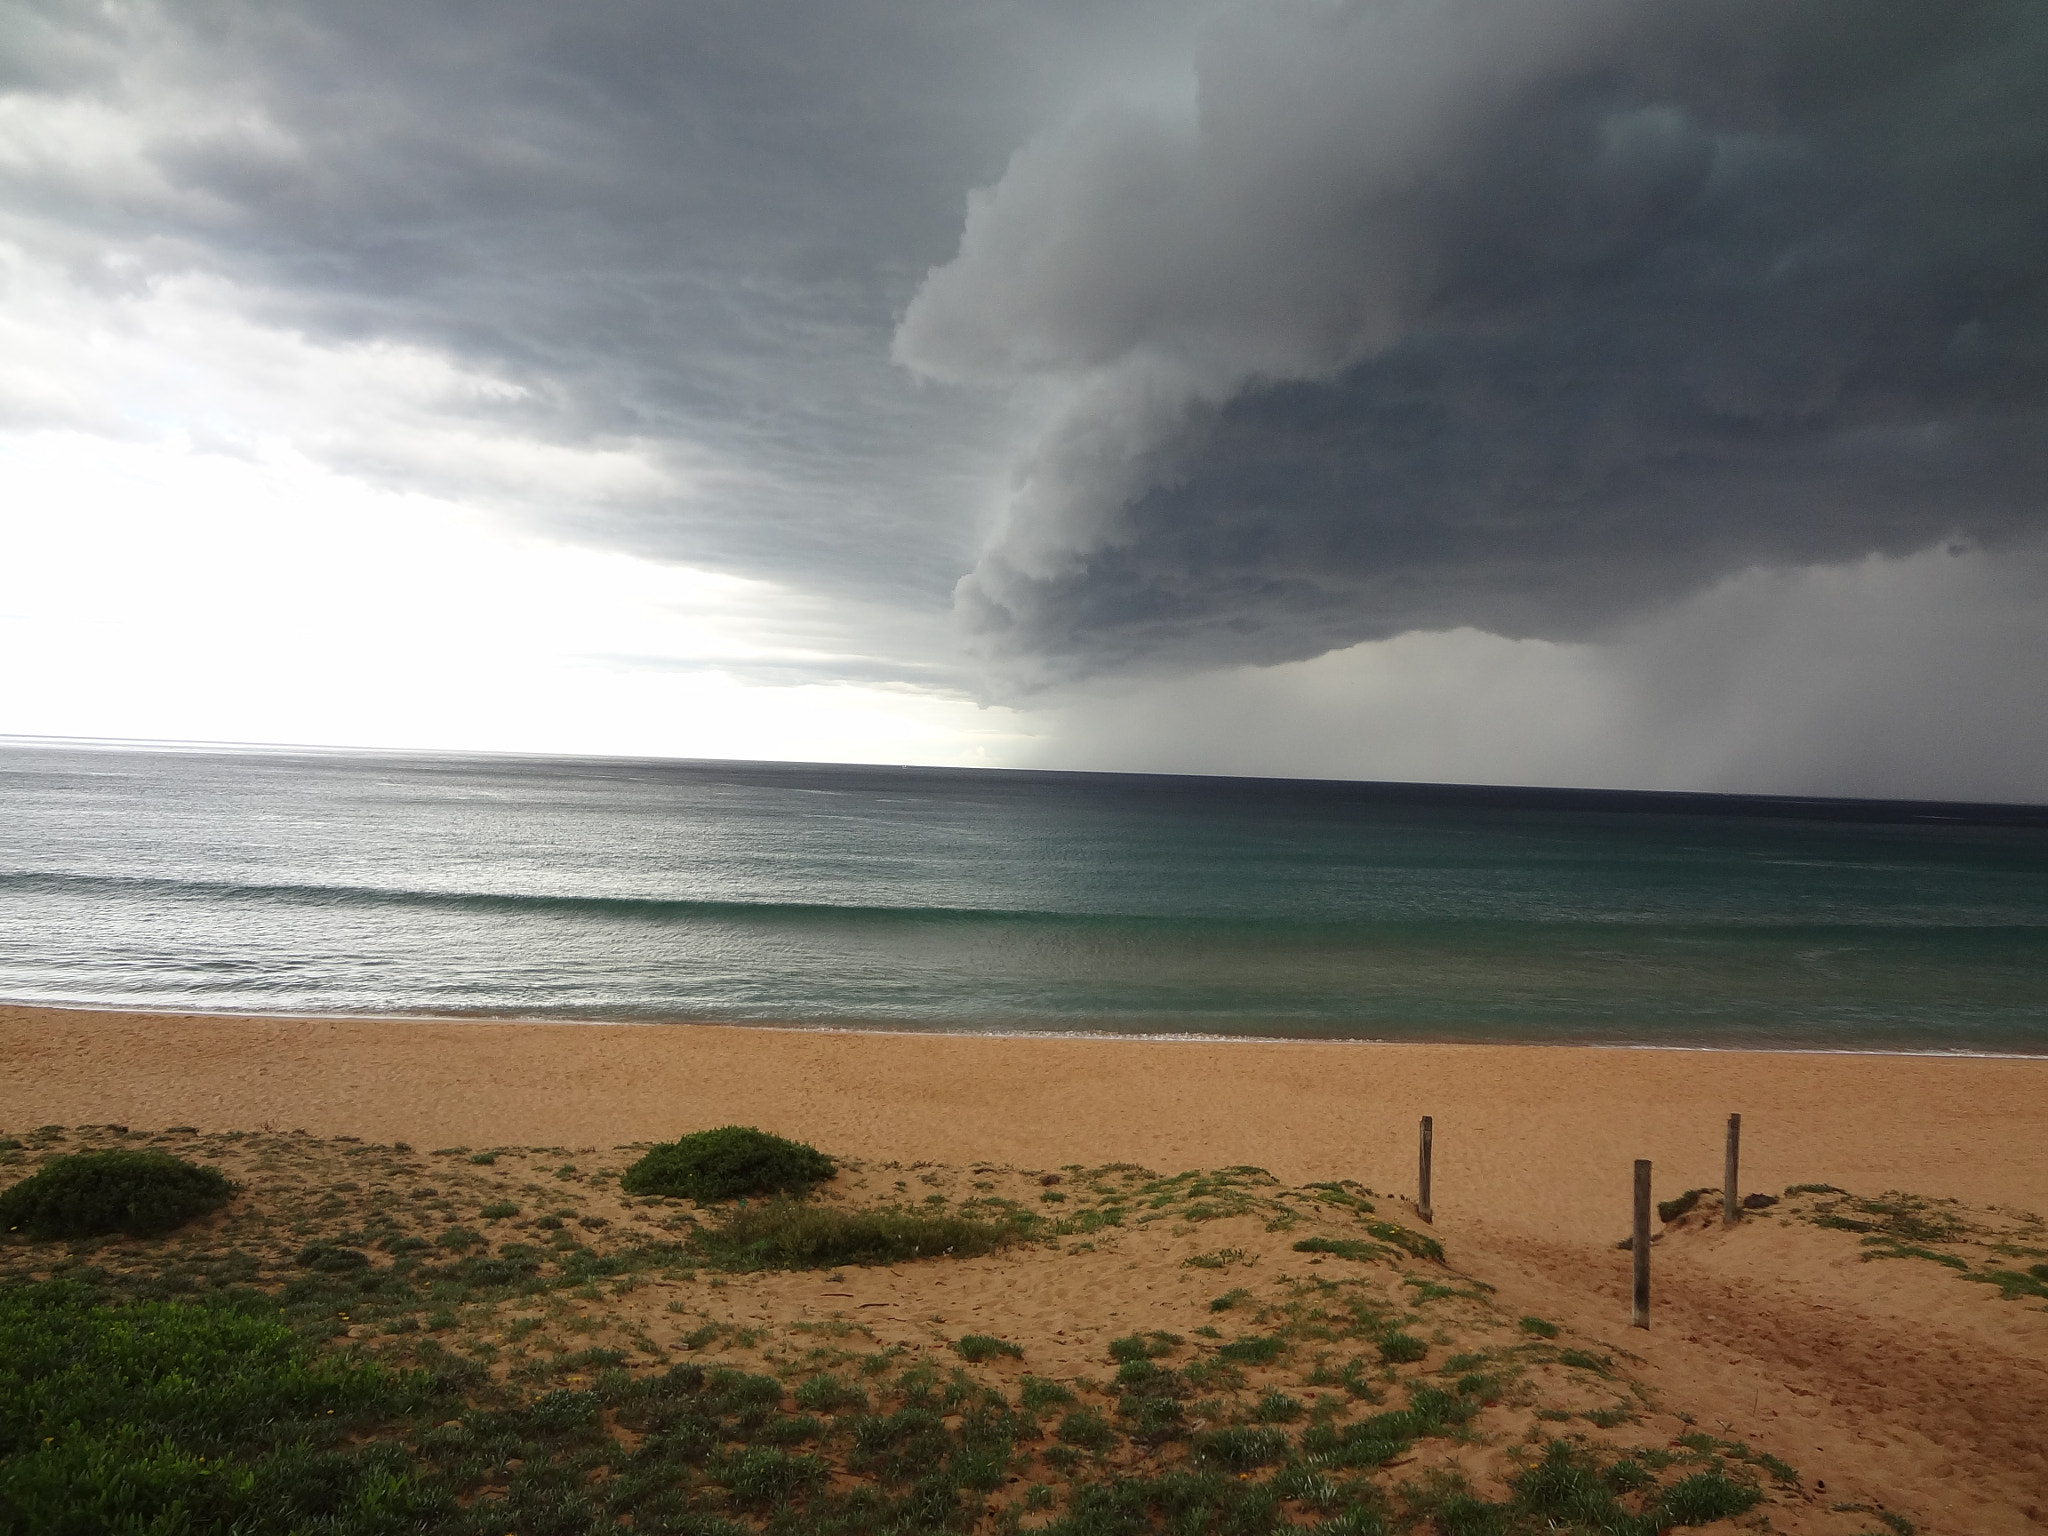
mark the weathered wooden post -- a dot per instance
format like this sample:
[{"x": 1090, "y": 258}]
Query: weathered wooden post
[
  {"x": 1422, "y": 1205},
  {"x": 1640, "y": 1312},
  {"x": 1731, "y": 1196}
]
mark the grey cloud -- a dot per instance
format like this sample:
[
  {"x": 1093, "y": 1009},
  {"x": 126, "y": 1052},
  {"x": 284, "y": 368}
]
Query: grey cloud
[
  {"x": 691, "y": 226},
  {"x": 1921, "y": 677},
  {"x": 1532, "y": 316}
]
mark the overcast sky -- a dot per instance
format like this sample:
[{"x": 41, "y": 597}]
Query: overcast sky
[{"x": 1618, "y": 392}]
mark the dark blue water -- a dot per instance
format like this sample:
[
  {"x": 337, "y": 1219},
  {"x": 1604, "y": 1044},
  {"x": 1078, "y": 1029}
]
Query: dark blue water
[{"x": 934, "y": 898}]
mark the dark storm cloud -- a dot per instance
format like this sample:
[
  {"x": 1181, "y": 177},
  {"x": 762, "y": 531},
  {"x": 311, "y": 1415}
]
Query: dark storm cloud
[
  {"x": 690, "y": 226},
  {"x": 1523, "y": 314}
]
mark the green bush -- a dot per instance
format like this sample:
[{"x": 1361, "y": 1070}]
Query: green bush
[
  {"x": 91, "y": 1194},
  {"x": 1671, "y": 1210},
  {"x": 731, "y": 1163}
]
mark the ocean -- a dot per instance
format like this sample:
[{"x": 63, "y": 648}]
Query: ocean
[{"x": 940, "y": 899}]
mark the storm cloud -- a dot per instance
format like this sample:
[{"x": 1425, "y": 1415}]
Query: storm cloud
[
  {"x": 1601, "y": 391},
  {"x": 1529, "y": 315}
]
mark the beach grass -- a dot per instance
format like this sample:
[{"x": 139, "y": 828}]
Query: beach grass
[{"x": 323, "y": 1354}]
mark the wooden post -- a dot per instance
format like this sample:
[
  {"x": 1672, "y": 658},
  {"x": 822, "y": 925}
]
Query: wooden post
[
  {"x": 1639, "y": 1314},
  {"x": 1422, "y": 1205},
  {"x": 1731, "y": 1197}
]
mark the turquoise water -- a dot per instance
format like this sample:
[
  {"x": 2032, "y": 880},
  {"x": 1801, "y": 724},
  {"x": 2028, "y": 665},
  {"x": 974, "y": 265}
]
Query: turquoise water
[{"x": 931, "y": 898}]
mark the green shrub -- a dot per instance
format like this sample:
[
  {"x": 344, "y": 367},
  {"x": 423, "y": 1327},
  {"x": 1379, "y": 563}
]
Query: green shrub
[
  {"x": 1671, "y": 1210},
  {"x": 498, "y": 1210},
  {"x": 730, "y": 1163},
  {"x": 978, "y": 1347},
  {"x": 91, "y": 1194},
  {"x": 790, "y": 1234},
  {"x": 1541, "y": 1328}
]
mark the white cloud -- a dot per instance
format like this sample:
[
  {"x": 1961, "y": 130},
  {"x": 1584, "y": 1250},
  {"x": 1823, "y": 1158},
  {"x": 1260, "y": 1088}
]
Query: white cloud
[{"x": 215, "y": 529}]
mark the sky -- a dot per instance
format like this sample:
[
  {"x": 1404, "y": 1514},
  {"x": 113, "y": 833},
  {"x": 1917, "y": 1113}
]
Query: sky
[{"x": 1636, "y": 393}]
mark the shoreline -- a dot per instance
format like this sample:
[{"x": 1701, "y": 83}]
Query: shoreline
[
  {"x": 1534, "y": 1139},
  {"x": 896, "y": 1030}
]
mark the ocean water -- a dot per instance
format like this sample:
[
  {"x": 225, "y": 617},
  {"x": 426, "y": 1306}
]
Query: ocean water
[{"x": 964, "y": 900}]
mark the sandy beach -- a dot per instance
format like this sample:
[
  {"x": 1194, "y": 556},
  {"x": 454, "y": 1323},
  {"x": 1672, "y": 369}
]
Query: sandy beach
[
  {"x": 1887, "y": 1382},
  {"x": 1537, "y": 1139}
]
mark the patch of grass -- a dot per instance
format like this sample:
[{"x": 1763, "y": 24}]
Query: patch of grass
[
  {"x": 1402, "y": 1348},
  {"x": 1567, "y": 1491},
  {"x": 1342, "y": 1248},
  {"x": 1889, "y": 1248},
  {"x": 1240, "y": 1450},
  {"x": 1537, "y": 1326},
  {"x": 498, "y": 1210},
  {"x": 1253, "y": 1349},
  {"x": 1276, "y": 1407},
  {"x": 167, "y": 1416},
  {"x": 1086, "y": 1430},
  {"x": 2013, "y": 1284},
  {"x": 1900, "y": 1217},
  {"x": 1222, "y": 1258},
  {"x": 1229, "y": 1299},
  {"x": 1416, "y": 1245},
  {"x": 1143, "y": 1346},
  {"x": 1706, "y": 1497},
  {"x": 94, "y": 1194},
  {"x": 980, "y": 1347},
  {"x": 828, "y": 1394},
  {"x": 1038, "y": 1394},
  {"x": 730, "y": 1163},
  {"x": 791, "y": 1234}
]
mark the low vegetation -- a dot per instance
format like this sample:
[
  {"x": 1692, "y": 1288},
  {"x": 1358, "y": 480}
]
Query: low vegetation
[
  {"x": 1984, "y": 1246},
  {"x": 791, "y": 1234},
  {"x": 372, "y": 1340}
]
